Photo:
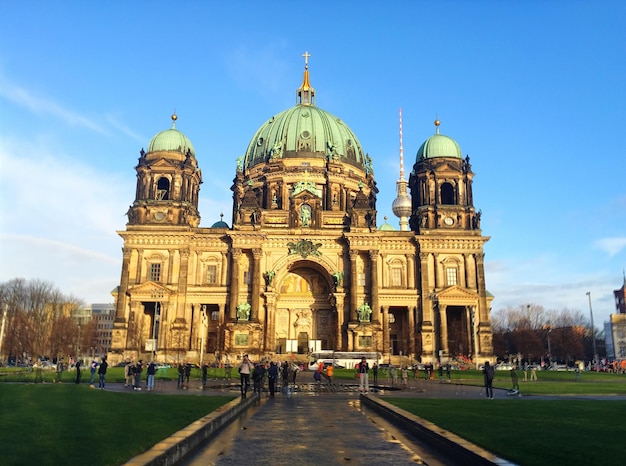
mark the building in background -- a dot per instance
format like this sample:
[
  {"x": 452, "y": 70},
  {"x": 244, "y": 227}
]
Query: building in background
[
  {"x": 303, "y": 265},
  {"x": 615, "y": 329}
]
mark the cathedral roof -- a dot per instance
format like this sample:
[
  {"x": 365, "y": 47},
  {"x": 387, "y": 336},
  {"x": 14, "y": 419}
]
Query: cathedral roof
[
  {"x": 221, "y": 223},
  {"x": 304, "y": 131},
  {"x": 386, "y": 227},
  {"x": 171, "y": 140},
  {"x": 439, "y": 145}
]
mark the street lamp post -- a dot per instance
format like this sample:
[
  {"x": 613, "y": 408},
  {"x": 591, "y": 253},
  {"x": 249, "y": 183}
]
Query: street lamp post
[{"x": 593, "y": 333}]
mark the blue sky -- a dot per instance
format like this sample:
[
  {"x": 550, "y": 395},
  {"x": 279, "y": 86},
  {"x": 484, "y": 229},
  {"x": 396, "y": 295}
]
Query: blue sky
[{"x": 533, "y": 91}]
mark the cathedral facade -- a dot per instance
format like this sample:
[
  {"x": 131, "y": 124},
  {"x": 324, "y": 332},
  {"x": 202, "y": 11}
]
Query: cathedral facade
[{"x": 304, "y": 265}]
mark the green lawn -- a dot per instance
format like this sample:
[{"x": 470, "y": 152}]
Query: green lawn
[
  {"x": 72, "y": 424},
  {"x": 533, "y": 432}
]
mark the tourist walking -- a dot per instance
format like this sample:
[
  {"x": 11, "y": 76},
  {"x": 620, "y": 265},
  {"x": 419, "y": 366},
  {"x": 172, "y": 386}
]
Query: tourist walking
[
  {"x": 329, "y": 374},
  {"x": 92, "y": 370},
  {"x": 187, "y": 374},
  {"x": 137, "y": 374},
  {"x": 245, "y": 369},
  {"x": 78, "y": 372},
  {"x": 150, "y": 372},
  {"x": 257, "y": 377},
  {"x": 205, "y": 368},
  {"x": 364, "y": 385},
  {"x": 488, "y": 374},
  {"x": 181, "y": 375},
  {"x": 102, "y": 372},
  {"x": 272, "y": 377},
  {"x": 285, "y": 376},
  {"x": 128, "y": 374}
]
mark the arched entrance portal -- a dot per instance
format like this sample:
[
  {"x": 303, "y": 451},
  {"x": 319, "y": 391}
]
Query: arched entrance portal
[{"x": 304, "y": 316}]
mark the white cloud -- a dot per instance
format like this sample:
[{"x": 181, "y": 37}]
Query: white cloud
[
  {"x": 59, "y": 218},
  {"x": 611, "y": 245},
  {"x": 41, "y": 106}
]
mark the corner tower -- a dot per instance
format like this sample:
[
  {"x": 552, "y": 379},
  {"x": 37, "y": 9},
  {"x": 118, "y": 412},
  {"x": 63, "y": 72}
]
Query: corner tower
[
  {"x": 453, "y": 298},
  {"x": 168, "y": 182},
  {"x": 441, "y": 187}
]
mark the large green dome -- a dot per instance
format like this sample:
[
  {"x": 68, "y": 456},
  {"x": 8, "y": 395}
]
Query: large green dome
[
  {"x": 171, "y": 140},
  {"x": 306, "y": 131},
  {"x": 439, "y": 145}
]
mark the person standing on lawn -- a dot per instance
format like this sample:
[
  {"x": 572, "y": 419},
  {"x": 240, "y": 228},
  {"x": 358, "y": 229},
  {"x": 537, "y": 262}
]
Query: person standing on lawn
[
  {"x": 137, "y": 373},
  {"x": 102, "y": 372},
  {"x": 78, "y": 372},
  {"x": 128, "y": 374},
  {"x": 151, "y": 371},
  {"x": 488, "y": 374},
  {"x": 92, "y": 370}
]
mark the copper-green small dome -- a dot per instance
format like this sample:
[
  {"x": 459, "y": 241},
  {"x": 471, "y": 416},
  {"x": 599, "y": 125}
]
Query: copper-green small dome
[
  {"x": 439, "y": 145},
  {"x": 220, "y": 224},
  {"x": 386, "y": 227},
  {"x": 171, "y": 140}
]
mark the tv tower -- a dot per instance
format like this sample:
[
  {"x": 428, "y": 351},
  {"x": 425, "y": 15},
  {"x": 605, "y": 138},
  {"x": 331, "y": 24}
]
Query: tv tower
[{"x": 401, "y": 206}]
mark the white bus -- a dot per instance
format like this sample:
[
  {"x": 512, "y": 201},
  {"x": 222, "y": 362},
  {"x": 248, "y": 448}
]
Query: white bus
[{"x": 346, "y": 359}]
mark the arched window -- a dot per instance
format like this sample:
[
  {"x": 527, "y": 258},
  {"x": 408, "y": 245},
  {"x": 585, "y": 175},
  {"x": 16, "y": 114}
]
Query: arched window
[
  {"x": 163, "y": 189},
  {"x": 447, "y": 194}
]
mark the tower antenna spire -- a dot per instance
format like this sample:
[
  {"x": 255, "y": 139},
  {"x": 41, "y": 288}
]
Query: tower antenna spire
[{"x": 401, "y": 149}]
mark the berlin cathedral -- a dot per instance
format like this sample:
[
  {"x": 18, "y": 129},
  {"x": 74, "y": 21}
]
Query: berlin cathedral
[{"x": 305, "y": 264}]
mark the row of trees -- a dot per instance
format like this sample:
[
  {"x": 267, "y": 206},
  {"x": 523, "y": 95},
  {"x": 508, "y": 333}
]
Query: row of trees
[
  {"x": 39, "y": 322},
  {"x": 532, "y": 333}
]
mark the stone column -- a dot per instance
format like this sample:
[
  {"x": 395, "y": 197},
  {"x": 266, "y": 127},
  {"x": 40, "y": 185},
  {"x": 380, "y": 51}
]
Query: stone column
[
  {"x": 224, "y": 269},
  {"x": 170, "y": 268},
  {"x": 411, "y": 315},
  {"x": 354, "y": 280},
  {"x": 438, "y": 269},
  {"x": 182, "y": 284},
  {"x": 374, "y": 286},
  {"x": 443, "y": 328},
  {"x": 255, "y": 313},
  {"x": 120, "y": 309},
  {"x": 410, "y": 275},
  {"x": 480, "y": 285},
  {"x": 340, "y": 307},
  {"x": 385, "y": 318},
  {"x": 427, "y": 306},
  {"x": 139, "y": 266},
  {"x": 235, "y": 254},
  {"x": 270, "y": 327},
  {"x": 470, "y": 267}
]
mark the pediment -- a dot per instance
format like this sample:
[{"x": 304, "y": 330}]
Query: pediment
[
  {"x": 306, "y": 188},
  {"x": 149, "y": 291},
  {"x": 164, "y": 163},
  {"x": 457, "y": 293}
]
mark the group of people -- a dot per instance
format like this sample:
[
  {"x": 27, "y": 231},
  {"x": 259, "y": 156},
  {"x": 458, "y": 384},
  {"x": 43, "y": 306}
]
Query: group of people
[
  {"x": 257, "y": 371},
  {"x": 132, "y": 375}
]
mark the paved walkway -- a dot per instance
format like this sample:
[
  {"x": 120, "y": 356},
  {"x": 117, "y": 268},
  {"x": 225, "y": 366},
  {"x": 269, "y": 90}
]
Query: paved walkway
[{"x": 304, "y": 430}]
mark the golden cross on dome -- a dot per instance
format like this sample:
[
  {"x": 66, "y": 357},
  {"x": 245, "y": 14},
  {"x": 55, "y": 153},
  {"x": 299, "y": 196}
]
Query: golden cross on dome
[{"x": 306, "y": 56}]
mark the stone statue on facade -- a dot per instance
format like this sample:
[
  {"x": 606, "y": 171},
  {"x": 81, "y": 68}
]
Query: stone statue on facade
[
  {"x": 269, "y": 277},
  {"x": 365, "y": 312},
  {"x": 243, "y": 311}
]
